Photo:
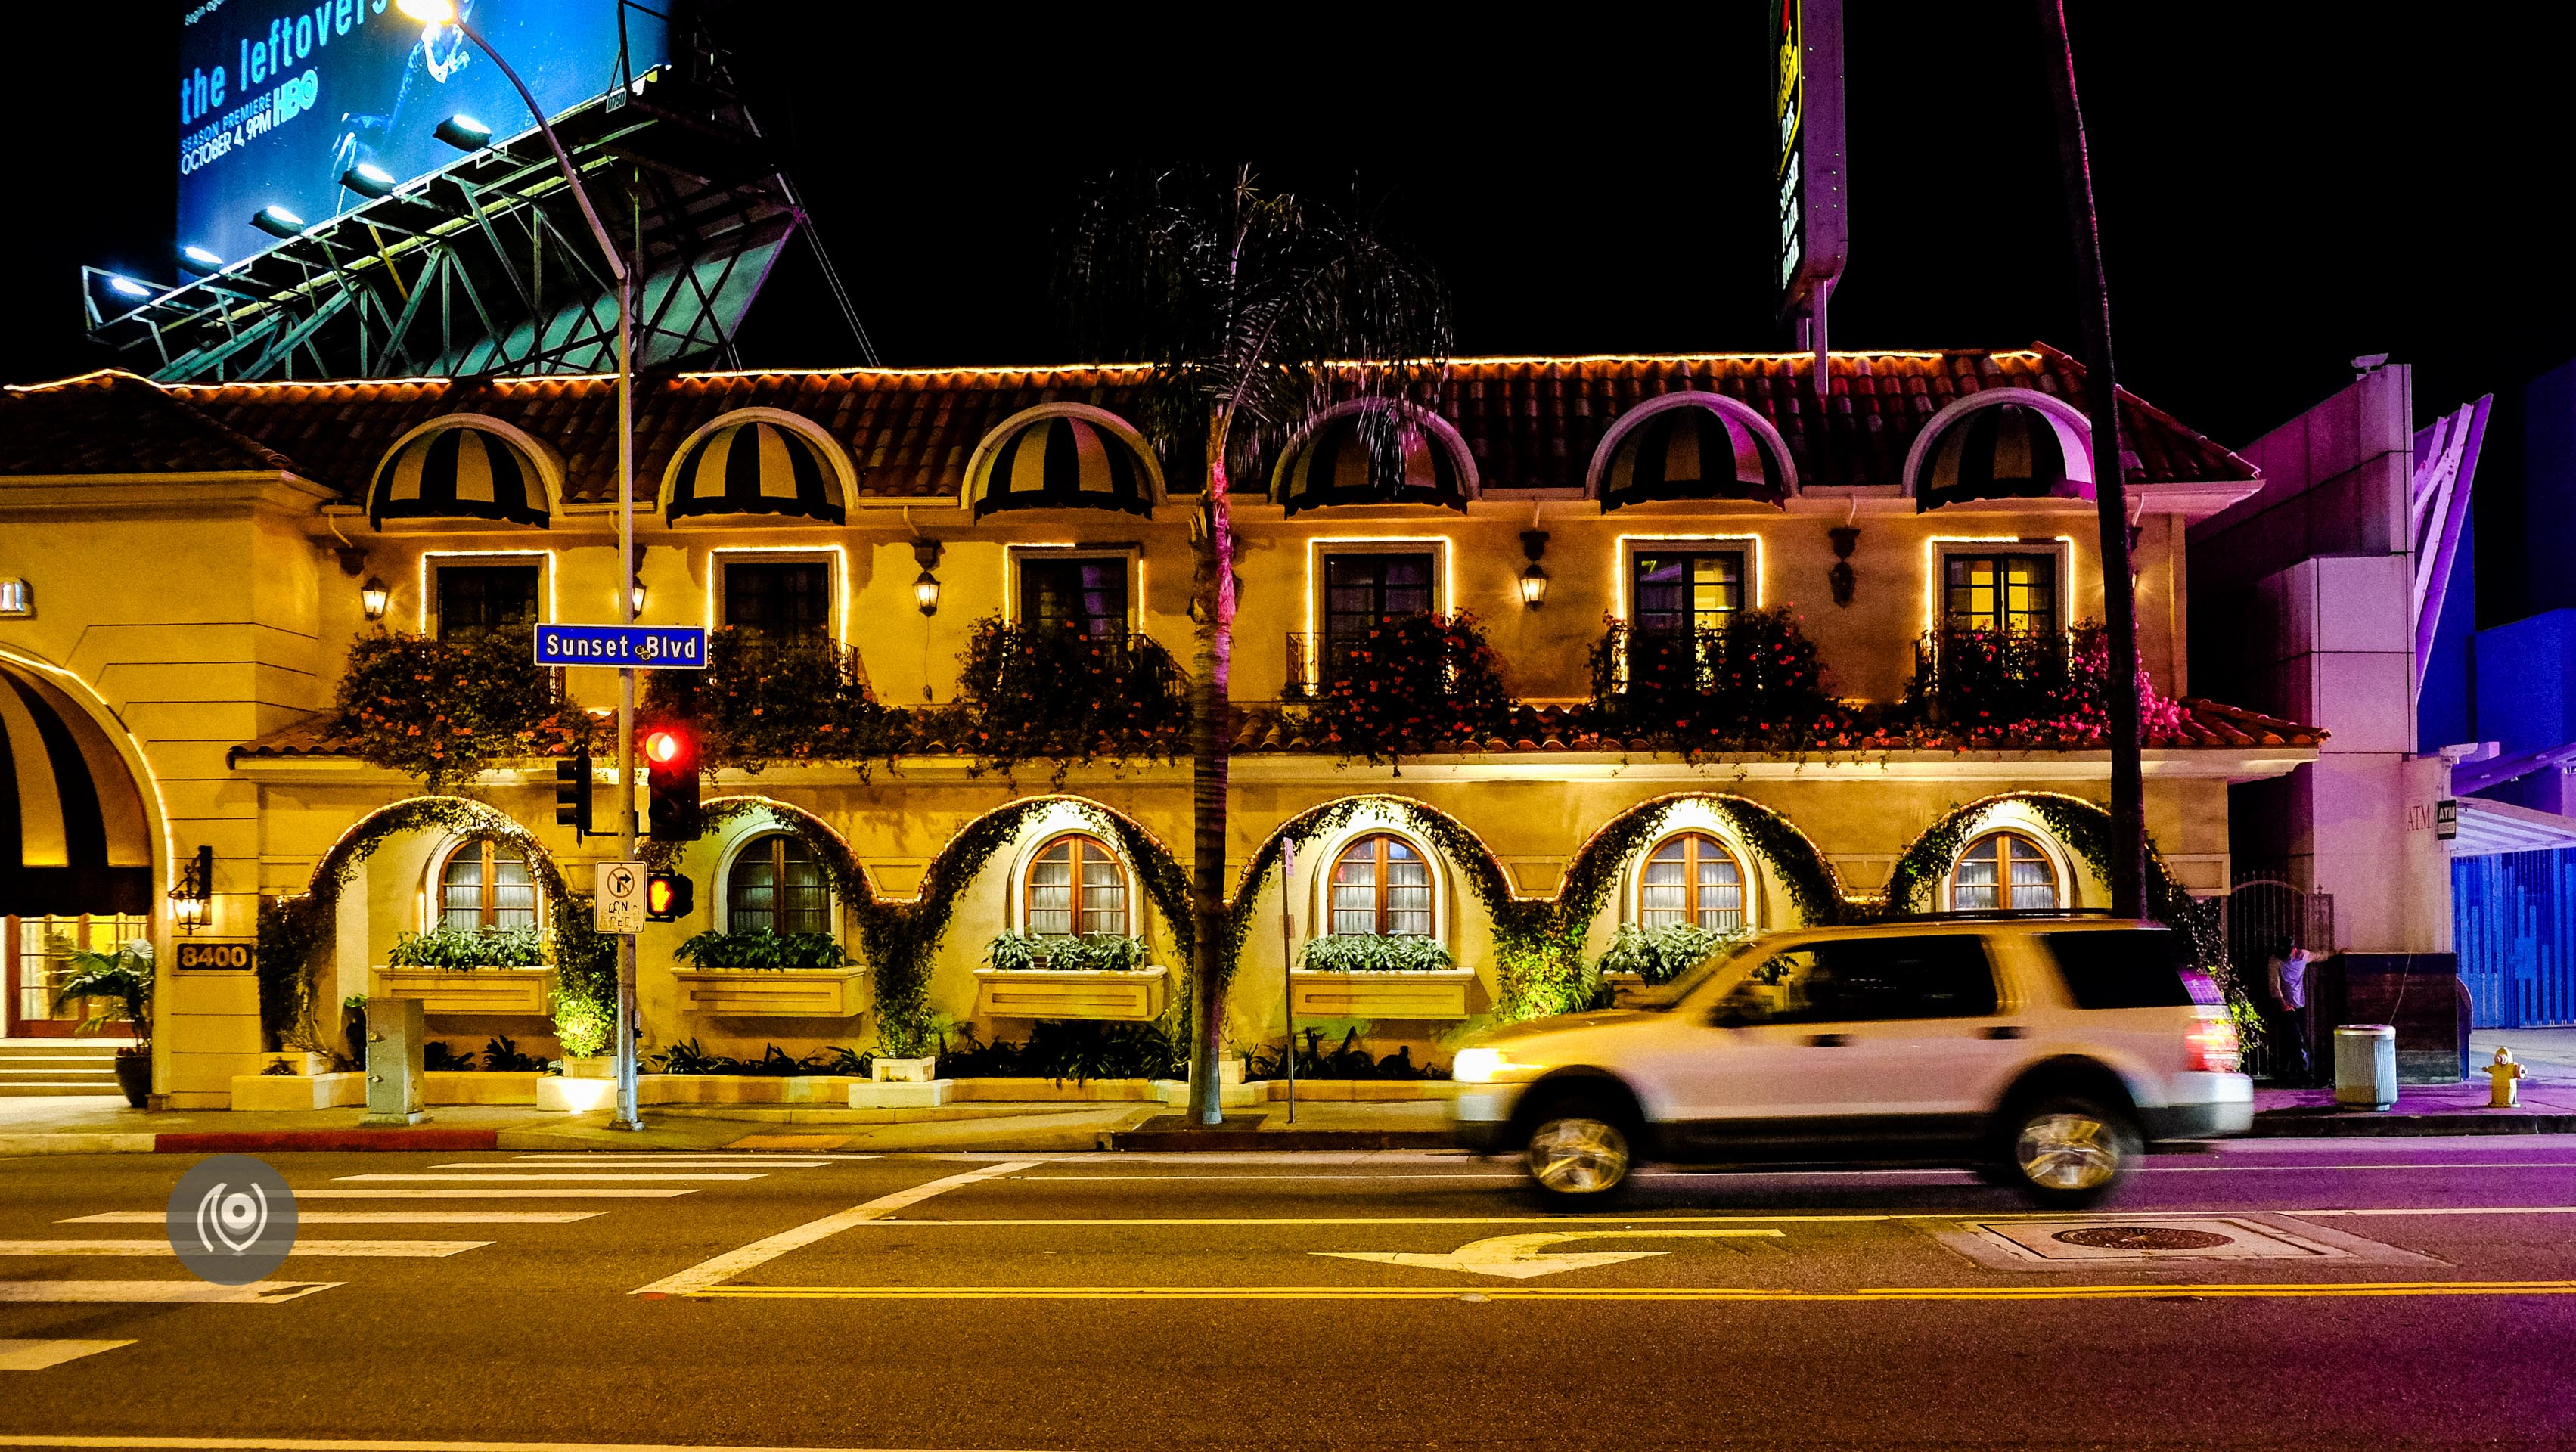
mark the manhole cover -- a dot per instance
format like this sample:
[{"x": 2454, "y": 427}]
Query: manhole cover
[{"x": 2142, "y": 1237}]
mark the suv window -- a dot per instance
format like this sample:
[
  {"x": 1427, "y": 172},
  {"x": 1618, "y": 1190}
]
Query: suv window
[
  {"x": 2122, "y": 968},
  {"x": 1862, "y": 979}
]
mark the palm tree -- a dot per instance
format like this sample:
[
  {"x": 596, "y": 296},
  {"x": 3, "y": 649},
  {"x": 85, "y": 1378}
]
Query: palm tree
[
  {"x": 124, "y": 977},
  {"x": 1256, "y": 310}
]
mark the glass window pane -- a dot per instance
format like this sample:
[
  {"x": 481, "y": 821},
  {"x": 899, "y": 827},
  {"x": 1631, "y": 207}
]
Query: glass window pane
[
  {"x": 460, "y": 889},
  {"x": 751, "y": 895},
  {"x": 1354, "y": 894},
  {"x": 804, "y": 896},
  {"x": 1051, "y": 892},
  {"x": 1975, "y": 886},
  {"x": 787, "y": 602},
  {"x": 485, "y": 597}
]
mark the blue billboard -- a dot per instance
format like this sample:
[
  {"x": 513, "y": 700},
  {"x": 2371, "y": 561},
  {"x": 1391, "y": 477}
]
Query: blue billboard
[{"x": 281, "y": 99}]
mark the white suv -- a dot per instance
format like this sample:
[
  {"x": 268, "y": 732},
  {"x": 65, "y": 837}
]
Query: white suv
[{"x": 2043, "y": 1052}]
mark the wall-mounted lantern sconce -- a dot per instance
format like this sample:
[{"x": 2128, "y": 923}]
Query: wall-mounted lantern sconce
[
  {"x": 1842, "y": 577},
  {"x": 635, "y": 595},
  {"x": 373, "y": 597},
  {"x": 925, "y": 586},
  {"x": 192, "y": 901},
  {"x": 1534, "y": 579}
]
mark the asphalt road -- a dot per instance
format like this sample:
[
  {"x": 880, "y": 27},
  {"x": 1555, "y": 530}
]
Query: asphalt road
[{"x": 2411, "y": 1293}]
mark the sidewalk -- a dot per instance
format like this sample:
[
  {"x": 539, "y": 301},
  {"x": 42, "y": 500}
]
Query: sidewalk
[{"x": 103, "y": 1125}]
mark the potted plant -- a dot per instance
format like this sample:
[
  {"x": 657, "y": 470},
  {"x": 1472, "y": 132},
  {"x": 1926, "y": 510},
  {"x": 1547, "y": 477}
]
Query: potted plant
[
  {"x": 763, "y": 973},
  {"x": 1642, "y": 958},
  {"x": 1371, "y": 975},
  {"x": 1095, "y": 976},
  {"x": 123, "y": 978},
  {"x": 451, "y": 970}
]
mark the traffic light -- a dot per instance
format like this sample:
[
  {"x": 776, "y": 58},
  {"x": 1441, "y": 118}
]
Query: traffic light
[
  {"x": 671, "y": 778},
  {"x": 572, "y": 791},
  {"x": 668, "y": 897}
]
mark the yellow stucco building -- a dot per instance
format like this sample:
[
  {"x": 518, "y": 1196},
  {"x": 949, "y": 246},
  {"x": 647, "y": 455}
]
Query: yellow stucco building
[{"x": 183, "y": 570}]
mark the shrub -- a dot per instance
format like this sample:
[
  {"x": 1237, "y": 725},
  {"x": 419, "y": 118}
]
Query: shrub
[
  {"x": 1092, "y": 952},
  {"x": 1350, "y": 1061},
  {"x": 1411, "y": 684},
  {"x": 1055, "y": 694},
  {"x": 465, "y": 948},
  {"x": 760, "y": 702},
  {"x": 1371, "y": 953},
  {"x": 1659, "y": 955},
  {"x": 686, "y": 1057},
  {"x": 1076, "y": 1050},
  {"x": 444, "y": 710},
  {"x": 1996, "y": 687},
  {"x": 762, "y": 948},
  {"x": 1755, "y": 681}
]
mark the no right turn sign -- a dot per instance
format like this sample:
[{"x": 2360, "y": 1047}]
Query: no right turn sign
[{"x": 621, "y": 897}]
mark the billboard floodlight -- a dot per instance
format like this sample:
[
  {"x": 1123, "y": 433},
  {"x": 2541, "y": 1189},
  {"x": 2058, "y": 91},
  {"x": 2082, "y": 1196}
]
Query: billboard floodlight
[
  {"x": 278, "y": 222},
  {"x": 464, "y": 132},
  {"x": 369, "y": 180},
  {"x": 429, "y": 12},
  {"x": 200, "y": 259},
  {"x": 129, "y": 287}
]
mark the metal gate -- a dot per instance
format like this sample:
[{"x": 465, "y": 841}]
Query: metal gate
[
  {"x": 2267, "y": 917},
  {"x": 2514, "y": 924}
]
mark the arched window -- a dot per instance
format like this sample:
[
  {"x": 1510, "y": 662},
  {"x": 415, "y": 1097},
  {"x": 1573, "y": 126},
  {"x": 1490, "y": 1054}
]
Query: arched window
[
  {"x": 485, "y": 884},
  {"x": 1076, "y": 887},
  {"x": 777, "y": 883},
  {"x": 1692, "y": 880},
  {"x": 2003, "y": 870},
  {"x": 1382, "y": 885}
]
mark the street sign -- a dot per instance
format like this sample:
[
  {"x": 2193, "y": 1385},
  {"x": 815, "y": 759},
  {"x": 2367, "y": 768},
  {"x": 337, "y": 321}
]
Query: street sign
[
  {"x": 217, "y": 955},
  {"x": 621, "y": 897},
  {"x": 643, "y": 647},
  {"x": 2446, "y": 819}
]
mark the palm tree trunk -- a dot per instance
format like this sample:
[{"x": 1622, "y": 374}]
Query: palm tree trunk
[
  {"x": 2110, "y": 492},
  {"x": 1211, "y": 757}
]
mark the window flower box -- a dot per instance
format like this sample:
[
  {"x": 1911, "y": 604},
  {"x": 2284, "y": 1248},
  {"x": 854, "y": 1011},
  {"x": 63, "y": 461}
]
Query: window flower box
[
  {"x": 1129, "y": 995},
  {"x": 771, "y": 992},
  {"x": 519, "y": 991},
  {"x": 1439, "y": 993}
]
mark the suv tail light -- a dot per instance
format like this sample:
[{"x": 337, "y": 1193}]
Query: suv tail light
[{"x": 2211, "y": 1047}]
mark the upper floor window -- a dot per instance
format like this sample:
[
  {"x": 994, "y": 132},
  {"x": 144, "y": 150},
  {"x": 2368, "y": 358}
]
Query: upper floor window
[
  {"x": 2004, "y": 870},
  {"x": 1681, "y": 591},
  {"x": 2006, "y": 593},
  {"x": 777, "y": 884},
  {"x": 1691, "y": 880},
  {"x": 485, "y": 884},
  {"x": 1381, "y": 885},
  {"x": 1076, "y": 887},
  {"x": 1362, "y": 590},
  {"x": 485, "y": 597},
  {"x": 788, "y": 602},
  {"x": 1086, "y": 595}
]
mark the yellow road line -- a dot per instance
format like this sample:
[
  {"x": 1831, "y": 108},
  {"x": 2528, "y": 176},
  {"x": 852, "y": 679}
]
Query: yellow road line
[
  {"x": 2111, "y": 1216},
  {"x": 2222, "y": 1291}
]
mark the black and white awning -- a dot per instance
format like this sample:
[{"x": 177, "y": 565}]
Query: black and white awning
[
  {"x": 458, "y": 473},
  {"x": 2007, "y": 451},
  {"x": 1336, "y": 464},
  {"x": 1693, "y": 450},
  {"x": 74, "y": 837},
  {"x": 1061, "y": 461},
  {"x": 756, "y": 467}
]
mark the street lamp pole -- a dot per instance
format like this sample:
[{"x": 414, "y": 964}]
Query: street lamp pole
[{"x": 445, "y": 12}]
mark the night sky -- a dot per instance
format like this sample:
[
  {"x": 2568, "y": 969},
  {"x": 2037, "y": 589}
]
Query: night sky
[{"x": 2282, "y": 187}]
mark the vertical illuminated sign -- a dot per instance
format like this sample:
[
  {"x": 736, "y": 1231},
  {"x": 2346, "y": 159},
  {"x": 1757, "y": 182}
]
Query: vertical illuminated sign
[{"x": 1807, "y": 103}]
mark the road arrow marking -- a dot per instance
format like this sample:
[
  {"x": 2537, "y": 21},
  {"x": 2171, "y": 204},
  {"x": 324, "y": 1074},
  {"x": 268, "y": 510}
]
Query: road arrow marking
[{"x": 1523, "y": 1256}]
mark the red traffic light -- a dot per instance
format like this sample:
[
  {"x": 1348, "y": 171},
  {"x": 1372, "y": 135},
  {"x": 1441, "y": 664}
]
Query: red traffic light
[{"x": 668, "y": 746}]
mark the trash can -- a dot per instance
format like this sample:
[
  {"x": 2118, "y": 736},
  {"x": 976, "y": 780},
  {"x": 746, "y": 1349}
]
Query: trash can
[{"x": 2365, "y": 1065}]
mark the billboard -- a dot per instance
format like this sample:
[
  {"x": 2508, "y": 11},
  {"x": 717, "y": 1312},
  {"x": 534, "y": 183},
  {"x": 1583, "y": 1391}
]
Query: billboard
[
  {"x": 280, "y": 99},
  {"x": 1807, "y": 104}
]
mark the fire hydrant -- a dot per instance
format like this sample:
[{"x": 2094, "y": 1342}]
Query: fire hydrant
[{"x": 2504, "y": 1078}]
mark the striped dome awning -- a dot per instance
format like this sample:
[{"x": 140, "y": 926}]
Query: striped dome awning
[
  {"x": 755, "y": 467},
  {"x": 74, "y": 837},
  {"x": 458, "y": 473},
  {"x": 1061, "y": 462},
  {"x": 2008, "y": 451},
  {"x": 1335, "y": 465},
  {"x": 1693, "y": 451}
]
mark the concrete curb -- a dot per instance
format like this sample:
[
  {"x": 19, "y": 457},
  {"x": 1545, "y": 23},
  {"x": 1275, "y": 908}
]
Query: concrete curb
[
  {"x": 1238, "y": 1140},
  {"x": 2370, "y": 1124}
]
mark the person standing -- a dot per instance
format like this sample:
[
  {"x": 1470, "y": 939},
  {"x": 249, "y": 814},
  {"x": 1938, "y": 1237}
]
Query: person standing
[{"x": 2290, "y": 1032}]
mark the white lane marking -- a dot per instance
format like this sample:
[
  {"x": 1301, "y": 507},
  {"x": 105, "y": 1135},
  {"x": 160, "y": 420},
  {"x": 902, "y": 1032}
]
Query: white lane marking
[
  {"x": 2451, "y": 1210},
  {"x": 1521, "y": 1257},
  {"x": 523, "y": 1179},
  {"x": 380, "y": 1249},
  {"x": 369, "y": 1217},
  {"x": 334, "y": 1444},
  {"x": 39, "y": 1355},
  {"x": 491, "y": 1194},
  {"x": 734, "y": 1262},
  {"x": 201, "y": 1293}
]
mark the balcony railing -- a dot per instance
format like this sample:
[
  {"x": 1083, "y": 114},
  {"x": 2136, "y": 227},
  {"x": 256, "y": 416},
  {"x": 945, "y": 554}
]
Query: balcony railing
[{"x": 1964, "y": 675}]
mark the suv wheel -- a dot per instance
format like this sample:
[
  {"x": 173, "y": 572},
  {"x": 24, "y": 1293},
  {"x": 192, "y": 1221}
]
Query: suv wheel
[
  {"x": 2065, "y": 1152},
  {"x": 1578, "y": 1153}
]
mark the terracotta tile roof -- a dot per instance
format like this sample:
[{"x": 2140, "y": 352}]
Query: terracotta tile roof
[
  {"x": 309, "y": 736},
  {"x": 1530, "y": 423},
  {"x": 117, "y": 423}
]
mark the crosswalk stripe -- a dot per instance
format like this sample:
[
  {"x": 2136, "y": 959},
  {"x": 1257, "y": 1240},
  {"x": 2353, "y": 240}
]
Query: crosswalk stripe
[
  {"x": 369, "y": 1217},
  {"x": 380, "y": 1249},
  {"x": 41, "y": 1355},
  {"x": 591, "y": 1193},
  {"x": 523, "y": 1179},
  {"x": 192, "y": 1292}
]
